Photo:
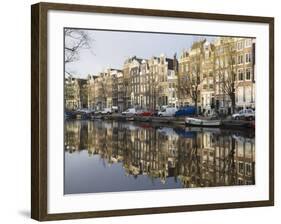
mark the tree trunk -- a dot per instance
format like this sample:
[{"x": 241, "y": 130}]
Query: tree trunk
[{"x": 233, "y": 104}]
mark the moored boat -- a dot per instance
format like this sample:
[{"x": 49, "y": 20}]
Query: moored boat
[{"x": 202, "y": 122}]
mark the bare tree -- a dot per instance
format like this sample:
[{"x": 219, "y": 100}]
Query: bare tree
[
  {"x": 189, "y": 84},
  {"x": 227, "y": 72},
  {"x": 229, "y": 87},
  {"x": 194, "y": 81},
  {"x": 75, "y": 40}
]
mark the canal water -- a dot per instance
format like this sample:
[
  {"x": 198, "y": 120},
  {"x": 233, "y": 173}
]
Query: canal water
[{"x": 111, "y": 156}]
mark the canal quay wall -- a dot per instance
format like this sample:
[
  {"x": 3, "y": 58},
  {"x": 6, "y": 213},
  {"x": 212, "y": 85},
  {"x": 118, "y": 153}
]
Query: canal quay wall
[{"x": 226, "y": 123}]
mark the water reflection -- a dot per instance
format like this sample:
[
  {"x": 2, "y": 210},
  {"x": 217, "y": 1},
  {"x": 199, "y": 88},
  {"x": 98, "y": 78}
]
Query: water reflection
[{"x": 110, "y": 156}]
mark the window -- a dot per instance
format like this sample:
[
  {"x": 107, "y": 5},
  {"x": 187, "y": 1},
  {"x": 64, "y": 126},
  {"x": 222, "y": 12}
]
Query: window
[
  {"x": 239, "y": 45},
  {"x": 248, "y": 57},
  {"x": 248, "y": 74},
  {"x": 248, "y": 42},
  {"x": 240, "y": 59},
  {"x": 241, "y": 167},
  {"x": 241, "y": 75},
  {"x": 248, "y": 168}
]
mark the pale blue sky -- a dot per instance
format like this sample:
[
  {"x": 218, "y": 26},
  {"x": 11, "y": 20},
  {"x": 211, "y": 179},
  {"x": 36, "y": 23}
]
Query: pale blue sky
[{"x": 111, "y": 48}]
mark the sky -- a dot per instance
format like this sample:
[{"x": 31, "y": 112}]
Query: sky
[{"x": 109, "y": 49}]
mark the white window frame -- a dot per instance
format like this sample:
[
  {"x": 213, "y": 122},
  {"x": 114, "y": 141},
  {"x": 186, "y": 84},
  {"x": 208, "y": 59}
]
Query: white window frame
[
  {"x": 240, "y": 45},
  {"x": 238, "y": 59},
  {"x": 239, "y": 72},
  {"x": 248, "y": 69},
  {"x": 249, "y": 57}
]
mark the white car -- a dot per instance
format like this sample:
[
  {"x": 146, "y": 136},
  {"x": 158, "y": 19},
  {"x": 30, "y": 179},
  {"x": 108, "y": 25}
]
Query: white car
[
  {"x": 107, "y": 110},
  {"x": 114, "y": 109},
  {"x": 167, "y": 112},
  {"x": 248, "y": 114},
  {"x": 129, "y": 112}
]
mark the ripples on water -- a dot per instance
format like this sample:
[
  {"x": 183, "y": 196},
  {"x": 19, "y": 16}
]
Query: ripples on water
[{"x": 106, "y": 156}]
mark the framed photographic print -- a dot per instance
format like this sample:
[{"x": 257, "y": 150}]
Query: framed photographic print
[{"x": 140, "y": 111}]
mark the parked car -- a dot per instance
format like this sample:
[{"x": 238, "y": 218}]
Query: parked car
[
  {"x": 147, "y": 113},
  {"x": 167, "y": 112},
  {"x": 84, "y": 113},
  {"x": 186, "y": 111},
  {"x": 114, "y": 109},
  {"x": 69, "y": 114},
  {"x": 155, "y": 112},
  {"x": 129, "y": 112},
  {"x": 138, "y": 112},
  {"x": 106, "y": 110},
  {"x": 163, "y": 107},
  {"x": 98, "y": 112},
  {"x": 248, "y": 114}
]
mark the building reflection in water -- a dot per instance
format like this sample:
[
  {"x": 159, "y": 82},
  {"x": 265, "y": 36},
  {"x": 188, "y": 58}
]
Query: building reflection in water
[{"x": 196, "y": 157}]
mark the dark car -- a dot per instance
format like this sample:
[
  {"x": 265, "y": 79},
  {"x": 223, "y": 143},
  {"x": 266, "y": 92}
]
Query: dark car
[
  {"x": 186, "y": 111},
  {"x": 155, "y": 112},
  {"x": 68, "y": 114}
]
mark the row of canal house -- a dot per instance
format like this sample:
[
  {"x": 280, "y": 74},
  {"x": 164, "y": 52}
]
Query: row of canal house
[
  {"x": 218, "y": 72},
  {"x": 151, "y": 83},
  {"x": 217, "y": 75},
  {"x": 142, "y": 83},
  {"x": 205, "y": 159}
]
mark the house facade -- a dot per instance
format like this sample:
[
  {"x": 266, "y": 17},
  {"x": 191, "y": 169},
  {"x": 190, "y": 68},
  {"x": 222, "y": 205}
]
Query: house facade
[{"x": 213, "y": 75}]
